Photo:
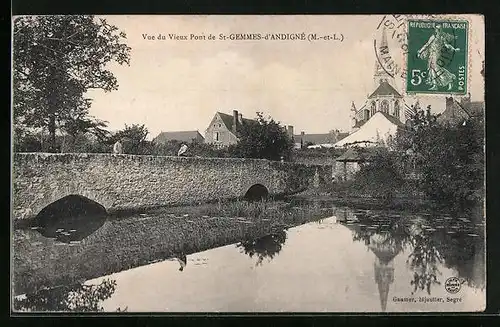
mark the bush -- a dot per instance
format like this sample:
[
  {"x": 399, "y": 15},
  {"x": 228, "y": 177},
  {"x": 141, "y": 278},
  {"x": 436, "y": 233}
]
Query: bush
[{"x": 380, "y": 177}]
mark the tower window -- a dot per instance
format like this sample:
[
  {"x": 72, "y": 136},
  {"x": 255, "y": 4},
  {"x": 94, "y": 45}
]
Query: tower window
[
  {"x": 373, "y": 108},
  {"x": 216, "y": 136},
  {"x": 396, "y": 109},
  {"x": 384, "y": 107}
]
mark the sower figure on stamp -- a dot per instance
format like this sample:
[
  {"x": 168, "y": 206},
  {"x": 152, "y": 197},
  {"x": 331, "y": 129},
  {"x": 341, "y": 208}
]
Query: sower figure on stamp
[
  {"x": 432, "y": 51},
  {"x": 118, "y": 148}
]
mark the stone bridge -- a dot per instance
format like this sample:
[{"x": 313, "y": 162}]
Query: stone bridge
[{"x": 122, "y": 182}]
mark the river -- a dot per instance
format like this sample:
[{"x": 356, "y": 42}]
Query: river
[{"x": 304, "y": 257}]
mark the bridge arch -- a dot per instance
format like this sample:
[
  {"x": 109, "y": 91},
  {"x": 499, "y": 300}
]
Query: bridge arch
[
  {"x": 71, "y": 218},
  {"x": 256, "y": 192},
  {"x": 71, "y": 205},
  {"x": 41, "y": 206}
]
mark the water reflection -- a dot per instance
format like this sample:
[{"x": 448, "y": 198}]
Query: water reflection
[
  {"x": 74, "y": 298},
  {"x": 264, "y": 247},
  {"x": 433, "y": 241},
  {"x": 424, "y": 261},
  {"x": 182, "y": 259},
  {"x": 363, "y": 257}
]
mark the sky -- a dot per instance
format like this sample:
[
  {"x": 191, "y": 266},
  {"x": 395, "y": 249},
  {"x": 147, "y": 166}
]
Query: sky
[{"x": 175, "y": 85}]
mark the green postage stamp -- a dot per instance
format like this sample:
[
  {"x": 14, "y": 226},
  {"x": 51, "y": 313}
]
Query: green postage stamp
[{"x": 437, "y": 57}]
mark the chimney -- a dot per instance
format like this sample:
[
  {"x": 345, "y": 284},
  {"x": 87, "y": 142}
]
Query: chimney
[
  {"x": 235, "y": 120},
  {"x": 302, "y": 134},
  {"x": 240, "y": 118},
  {"x": 290, "y": 131},
  {"x": 449, "y": 102}
]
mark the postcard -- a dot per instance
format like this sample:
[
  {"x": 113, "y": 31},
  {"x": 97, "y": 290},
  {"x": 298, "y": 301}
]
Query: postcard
[{"x": 248, "y": 164}]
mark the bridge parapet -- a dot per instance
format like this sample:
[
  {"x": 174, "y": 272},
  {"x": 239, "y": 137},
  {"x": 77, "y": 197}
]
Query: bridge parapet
[{"x": 134, "y": 181}]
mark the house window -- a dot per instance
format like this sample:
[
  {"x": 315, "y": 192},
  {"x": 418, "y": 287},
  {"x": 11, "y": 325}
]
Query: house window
[
  {"x": 216, "y": 136},
  {"x": 384, "y": 107},
  {"x": 373, "y": 108},
  {"x": 219, "y": 125},
  {"x": 396, "y": 109}
]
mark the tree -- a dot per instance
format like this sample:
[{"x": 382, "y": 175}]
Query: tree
[
  {"x": 133, "y": 138},
  {"x": 264, "y": 139},
  {"x": 56, "y": 60},
  {"x": 449, "y": 157},
  {"x": 79, "y": 124},
  {"x": 380, "y": 176}
]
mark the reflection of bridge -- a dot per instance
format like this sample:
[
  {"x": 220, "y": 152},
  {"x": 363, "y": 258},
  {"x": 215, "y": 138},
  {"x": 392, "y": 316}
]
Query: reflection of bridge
[
  {"x": 116, "y": 245},
  {"x": 133, "y": 181}
]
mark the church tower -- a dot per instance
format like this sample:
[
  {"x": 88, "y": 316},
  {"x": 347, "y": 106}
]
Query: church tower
[
  {"x": 382, "y": 50},
  {"x": 385, "y": 102}
]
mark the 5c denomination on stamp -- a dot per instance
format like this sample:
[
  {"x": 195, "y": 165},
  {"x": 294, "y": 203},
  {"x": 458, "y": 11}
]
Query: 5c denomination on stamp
[{"x": 437, "y": 57}]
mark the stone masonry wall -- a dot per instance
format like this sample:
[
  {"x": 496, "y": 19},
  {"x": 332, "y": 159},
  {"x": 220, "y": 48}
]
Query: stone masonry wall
[{"x": 132, "y": 181}]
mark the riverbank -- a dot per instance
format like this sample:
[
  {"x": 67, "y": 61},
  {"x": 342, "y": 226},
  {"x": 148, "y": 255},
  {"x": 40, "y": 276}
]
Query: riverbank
[{"x": 414, "y": 204}]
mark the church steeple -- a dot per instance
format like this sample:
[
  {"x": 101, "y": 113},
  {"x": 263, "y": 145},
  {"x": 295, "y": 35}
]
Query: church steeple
[{"x": 383, "y": 54}]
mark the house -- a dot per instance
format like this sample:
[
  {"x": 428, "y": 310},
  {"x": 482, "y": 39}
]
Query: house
[
  {"x": 318, "y": 140},
  {"x": 181, "y": 136},
  {"x": 456, "y": 112},
  {"x": 223, "y": 128},
  {"x": 353, "y": 159}
]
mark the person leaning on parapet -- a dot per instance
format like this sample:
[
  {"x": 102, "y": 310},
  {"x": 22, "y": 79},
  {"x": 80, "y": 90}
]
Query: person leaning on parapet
[{"x": 118, "y": 147}]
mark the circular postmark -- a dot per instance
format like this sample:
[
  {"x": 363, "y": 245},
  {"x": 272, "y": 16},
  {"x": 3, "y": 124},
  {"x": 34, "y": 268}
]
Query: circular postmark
[
  {"x": 452, "y": 285},
  {"x": 428, "y": 63}
]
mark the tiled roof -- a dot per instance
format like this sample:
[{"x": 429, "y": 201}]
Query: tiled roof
[
  {"x": 340, "y": 136},
  {"x": 392, "y": 119},
  {"x": 360, "y": 123},
  {"x": 385, "y": 89},
  {"x": 356, "y": 154},
  {"x": 228, "y": 120},
  {"x": 182, "y": 136},
  {"x": 475, "y": 108},
  {"x": 458, "y": 110},
  {"x": 313, "y": 138}
]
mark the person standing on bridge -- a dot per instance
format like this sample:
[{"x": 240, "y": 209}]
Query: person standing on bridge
[
  {"x": 118, "y": 148},
  {"x": 182, "y": 150}
]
